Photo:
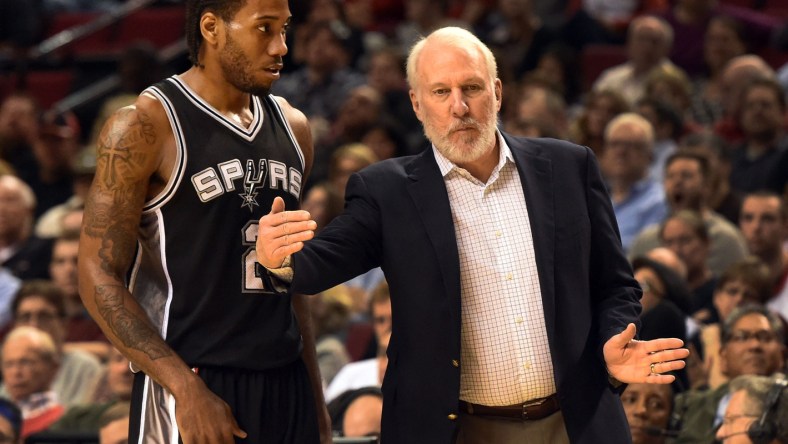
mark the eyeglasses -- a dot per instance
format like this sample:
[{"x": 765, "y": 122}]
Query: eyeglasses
[
  {"x": 762, "y": 336},
  {"x": 728, "y": 421}
]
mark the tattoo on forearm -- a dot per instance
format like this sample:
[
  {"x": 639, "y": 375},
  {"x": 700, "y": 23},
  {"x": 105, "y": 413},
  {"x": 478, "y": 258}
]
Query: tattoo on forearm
[{"x": 128, "y": 327}]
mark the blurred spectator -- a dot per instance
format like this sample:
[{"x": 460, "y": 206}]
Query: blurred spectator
[
  {"x": 539, "y": 112},
  {"x": 690, "y": 20},
  {"x": 22, "y": 253},
  {"x": 686, "y": 184},
  {"x": 638, "y": 201},
  {"x": 745, "y": 282},
  {"x": 320, "y": 87},
  {"x": 516, "y": 36},
  {"x": 560, "y": 63},
  {"x": 386, "y": 74},
  {"x": 762, "y": 119},
  {"x": 54, "y": 151},
  {"x": 366, "y": 373},
  {"x": 672, "y": 87},
  {"x": 357, "y": 113},
  {"x": 723, "y": 40},
  {"x": 116, "y": 383},
  {"x": 386, "y": 139},
  {"x": 738, "y": 73},
  {"x": 668, "y": 126},
  {"x": 357, "y": 413},
  {"x": 81, "y": 329},
  {"x": 138, "y": 67},
  {"x": 331, "y": 314},
  {"x": 648, "y": 408},
  {"x": 720, "y": 197},
  {"x": 40, "y": 304},
  {"x": 347, "y": 160},
  {"x": 685, "y": 233},
  {"x": 18, "y": 131},
  {"x": 668, "y": 258},
  {"x": 10, "y": 422},
  {"x": 29, "y": 363},
  {"x": 51, "y": 223},
  {"x": 114, "y": 425},
  {"x": 764, "y": 224},
  {"x": 606, "y": 22},
  {"x": 757, "y": 411},
  {"x": 665, "y": 300},
  {"x": 752, "y": 344},
  {"x": 648, "y": 42},
  {"x": 324, "y": 203},
  {"x": 421, "y": 18},
  {"x": 600, "y": 108}
]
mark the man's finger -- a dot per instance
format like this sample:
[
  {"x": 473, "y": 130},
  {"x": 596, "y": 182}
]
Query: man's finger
[
  {"x": 660, "y": 344},
  {"x": 278, "y": 206}
]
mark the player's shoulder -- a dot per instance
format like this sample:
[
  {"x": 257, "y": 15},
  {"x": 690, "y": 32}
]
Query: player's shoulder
[{"x": 294, "y": 116}]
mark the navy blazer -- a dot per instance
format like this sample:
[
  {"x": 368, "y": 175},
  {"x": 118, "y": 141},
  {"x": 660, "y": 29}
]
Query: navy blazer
[{"x": 397, "y": 216}]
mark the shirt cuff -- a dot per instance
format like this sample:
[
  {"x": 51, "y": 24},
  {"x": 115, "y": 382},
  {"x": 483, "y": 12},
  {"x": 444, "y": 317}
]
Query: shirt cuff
[{"x": 285, "y": 271}]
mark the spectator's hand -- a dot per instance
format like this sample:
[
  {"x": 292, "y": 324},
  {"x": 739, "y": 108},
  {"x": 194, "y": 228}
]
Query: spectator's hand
[
  {"x": 282, "y": 233},
  {"x": 632, "y": 361},
  {"x": 204, "y": 418}
]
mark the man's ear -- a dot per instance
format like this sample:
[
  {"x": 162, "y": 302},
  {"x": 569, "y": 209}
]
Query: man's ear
[
  {"x": 414, "y": 102},
  {"x": 498, "y": 88},
  {"x": 209, "y": 27}
]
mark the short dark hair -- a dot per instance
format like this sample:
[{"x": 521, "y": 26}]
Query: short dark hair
[
  {"x": 225, "y": 9},
  {"x": 768, "y": 194},
  {"x": 753, "y": 272},
  {"x": 703, "y": 161},
  {"x": 40, "y": 288},
  {"x": 769, "y": 84},
  {"x": 775, "y": 323}
]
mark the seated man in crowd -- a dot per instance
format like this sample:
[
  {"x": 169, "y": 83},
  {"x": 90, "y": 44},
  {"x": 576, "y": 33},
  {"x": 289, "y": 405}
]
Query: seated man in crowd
[
  {"x": 752, "y": 344},
  {"x": 40, "y": 304},
  {"x": 29, "y": 363},
  {"x": 757, "y": 411},
  {"x": 357, "y": 412},
  {"x": 648, "y": 408}
]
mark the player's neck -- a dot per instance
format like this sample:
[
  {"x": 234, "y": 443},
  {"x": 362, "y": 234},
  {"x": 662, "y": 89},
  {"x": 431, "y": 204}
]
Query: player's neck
[{"x": 212, "y": 88}]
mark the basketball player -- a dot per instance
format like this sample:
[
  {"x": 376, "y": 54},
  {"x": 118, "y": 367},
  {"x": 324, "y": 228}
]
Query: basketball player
[{"x": 167, "y": 256}]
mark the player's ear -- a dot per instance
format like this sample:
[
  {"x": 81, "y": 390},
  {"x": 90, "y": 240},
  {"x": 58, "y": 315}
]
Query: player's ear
[{"x": 209, "y": 27}]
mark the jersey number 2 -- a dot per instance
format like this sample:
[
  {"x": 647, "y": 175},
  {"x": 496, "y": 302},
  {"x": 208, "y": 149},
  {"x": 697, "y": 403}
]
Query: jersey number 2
[{"x": 252, "y": 282}]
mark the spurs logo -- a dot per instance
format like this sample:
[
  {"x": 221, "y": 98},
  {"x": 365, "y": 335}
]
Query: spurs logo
[{"x": 253, "y": 179}]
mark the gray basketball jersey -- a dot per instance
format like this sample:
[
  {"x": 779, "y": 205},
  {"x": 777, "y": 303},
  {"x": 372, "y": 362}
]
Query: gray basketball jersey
[{"x": 196, "y": 273}]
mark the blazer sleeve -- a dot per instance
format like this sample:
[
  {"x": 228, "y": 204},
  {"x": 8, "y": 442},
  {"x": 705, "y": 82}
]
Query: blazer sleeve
[
  {"x": 349, "y": 246},
  {"x": 614, "y": 291}
]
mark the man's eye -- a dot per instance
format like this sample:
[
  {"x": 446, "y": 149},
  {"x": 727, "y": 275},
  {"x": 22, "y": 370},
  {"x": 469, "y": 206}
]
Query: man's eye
[{"x": 264, "y": 28}]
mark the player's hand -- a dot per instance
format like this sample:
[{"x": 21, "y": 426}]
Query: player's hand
[
  {"x": 204, "y": 418},
  {"x": 282, "y": 233},
  {"x": 632, "y": 361}
]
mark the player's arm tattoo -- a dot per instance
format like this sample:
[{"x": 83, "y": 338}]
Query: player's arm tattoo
[
  {"x": 130, "y": 328},
  {"x": 112, "y": 212}
]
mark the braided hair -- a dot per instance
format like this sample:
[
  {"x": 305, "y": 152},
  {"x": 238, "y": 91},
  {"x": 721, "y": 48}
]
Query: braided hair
[{"x": 225, "y": 9}]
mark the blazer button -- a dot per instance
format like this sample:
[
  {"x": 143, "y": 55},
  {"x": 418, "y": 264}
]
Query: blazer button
[
  {"x": 452, "y": 417},
  {"x": 455, "y": 363}
]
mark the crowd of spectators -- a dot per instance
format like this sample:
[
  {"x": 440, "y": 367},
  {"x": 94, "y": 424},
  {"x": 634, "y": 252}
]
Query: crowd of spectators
[{"x": 689, "y": 130}]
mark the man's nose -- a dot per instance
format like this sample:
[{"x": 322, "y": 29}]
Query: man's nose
[{"x": 459, "y": 107}]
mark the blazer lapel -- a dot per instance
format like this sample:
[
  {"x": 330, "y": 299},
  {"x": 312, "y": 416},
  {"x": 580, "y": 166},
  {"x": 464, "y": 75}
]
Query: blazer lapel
[
  {"x": 428, "y": 192},
  {"x": 536, "y": 174}
]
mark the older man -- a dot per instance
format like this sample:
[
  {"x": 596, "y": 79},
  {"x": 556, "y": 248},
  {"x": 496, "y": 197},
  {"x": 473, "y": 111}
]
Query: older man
[
  {"x": 757, "y": 412},
  {"x": 25, "y": 255},
  {"x": 752, "y": 344},
  {"x": 510, "y": 293},
  {"x": 638, "y": 199},
  {"x": 649, "y": 40},
  {"x": 29, "y": 364}
]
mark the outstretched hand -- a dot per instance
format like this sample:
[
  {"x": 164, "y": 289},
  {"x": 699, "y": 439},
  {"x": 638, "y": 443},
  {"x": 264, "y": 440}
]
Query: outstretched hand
[
  {"x": 281, "y": 233},
  {"x": 632, "y": 361}
]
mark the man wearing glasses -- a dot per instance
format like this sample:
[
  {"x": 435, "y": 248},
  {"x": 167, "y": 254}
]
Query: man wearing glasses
[
  {"x": 752, "y": 344},
  {"x": 757, "y": 412}
]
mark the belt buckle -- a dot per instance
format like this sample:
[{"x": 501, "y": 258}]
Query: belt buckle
[{"x": 532, "y": 403}]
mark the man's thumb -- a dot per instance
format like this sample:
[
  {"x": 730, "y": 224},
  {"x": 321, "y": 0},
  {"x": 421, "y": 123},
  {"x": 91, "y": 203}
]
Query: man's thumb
[{"x": 278, "y": 206}]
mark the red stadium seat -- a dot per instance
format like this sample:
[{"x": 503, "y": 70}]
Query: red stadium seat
[
  {"x": 47, "y": 87},
  {"x": 597, "y": 58}
]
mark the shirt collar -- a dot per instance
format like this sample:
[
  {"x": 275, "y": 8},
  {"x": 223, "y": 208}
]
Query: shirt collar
[{"x": 504, "y": 154}]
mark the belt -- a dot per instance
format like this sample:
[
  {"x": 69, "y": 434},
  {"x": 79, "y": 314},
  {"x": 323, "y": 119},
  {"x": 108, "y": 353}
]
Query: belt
[{"x": 529, "y": 410}]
